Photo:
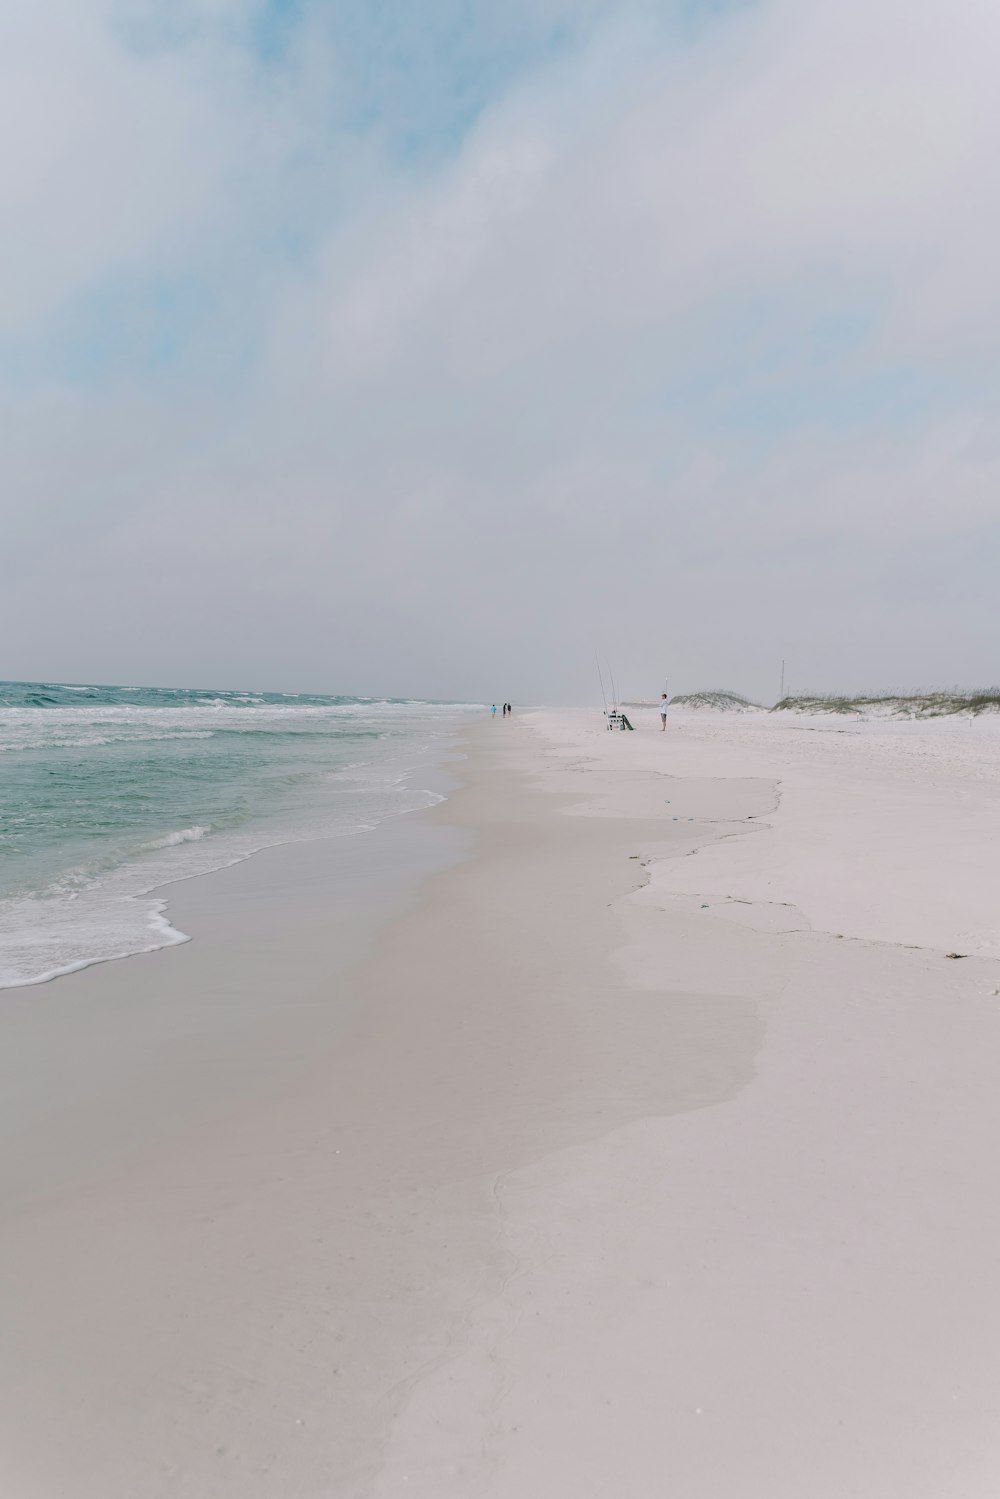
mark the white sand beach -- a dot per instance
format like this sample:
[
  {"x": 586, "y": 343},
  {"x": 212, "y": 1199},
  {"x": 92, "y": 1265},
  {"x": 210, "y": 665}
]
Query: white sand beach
[{"x": 639, "y": 1142}]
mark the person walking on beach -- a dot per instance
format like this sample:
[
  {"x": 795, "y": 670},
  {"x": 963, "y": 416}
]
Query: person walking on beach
[
  {"x": 493, "y": 711},
  {"x": 663, "y": 712}
]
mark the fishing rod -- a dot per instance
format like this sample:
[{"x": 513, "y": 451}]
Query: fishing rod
[{"x": 600, "y": 676}]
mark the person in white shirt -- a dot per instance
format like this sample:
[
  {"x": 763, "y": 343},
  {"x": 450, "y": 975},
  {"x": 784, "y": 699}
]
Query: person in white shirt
[{"x": 663, "y": 711}]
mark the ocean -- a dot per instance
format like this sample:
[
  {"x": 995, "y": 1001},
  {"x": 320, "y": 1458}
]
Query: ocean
[{"x": 107, "y": 793}]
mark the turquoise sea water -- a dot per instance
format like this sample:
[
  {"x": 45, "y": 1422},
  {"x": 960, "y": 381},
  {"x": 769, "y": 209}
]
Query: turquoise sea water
[{"x": 108, "y": 792}]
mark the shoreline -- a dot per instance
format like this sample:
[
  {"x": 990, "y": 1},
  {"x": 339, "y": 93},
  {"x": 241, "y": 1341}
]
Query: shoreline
[
  {"x": 151, "y": 896},
  {"x": 561, "y": 1172},
  {"x": 223, "y": 990},
  {"x": 263, "y": 775}
]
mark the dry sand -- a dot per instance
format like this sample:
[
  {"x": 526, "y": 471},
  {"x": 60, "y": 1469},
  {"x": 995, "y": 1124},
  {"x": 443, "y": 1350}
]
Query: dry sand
[{"x": 633, "y": 1154}]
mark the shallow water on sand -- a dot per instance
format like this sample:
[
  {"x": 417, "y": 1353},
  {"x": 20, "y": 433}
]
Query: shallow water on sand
[{"x": 107, "y": 793}]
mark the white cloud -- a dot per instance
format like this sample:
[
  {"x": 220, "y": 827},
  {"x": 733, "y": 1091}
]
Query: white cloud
[{"x": 686, "y": 349}]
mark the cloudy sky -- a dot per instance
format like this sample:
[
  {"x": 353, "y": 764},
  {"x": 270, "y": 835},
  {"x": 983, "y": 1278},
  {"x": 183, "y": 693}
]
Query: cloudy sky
[{"x": 426, "y": 346}]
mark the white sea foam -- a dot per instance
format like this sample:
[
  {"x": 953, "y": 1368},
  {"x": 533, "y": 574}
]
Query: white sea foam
[
  {"x": 63, "y": 941},
  {"x": 171, "y": 840},
  {"x": 23, "y": 728},
  {"x": 63, "y": 740}
]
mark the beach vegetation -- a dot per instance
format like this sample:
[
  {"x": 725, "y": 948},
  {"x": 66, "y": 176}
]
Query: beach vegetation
[
  {"x": 946, "y": 703},
  {"x": 719, "y": 700}
]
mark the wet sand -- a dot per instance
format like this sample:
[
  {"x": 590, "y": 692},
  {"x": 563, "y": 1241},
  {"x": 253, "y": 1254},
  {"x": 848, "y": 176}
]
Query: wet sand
[{"x": 573, "y": 1174}]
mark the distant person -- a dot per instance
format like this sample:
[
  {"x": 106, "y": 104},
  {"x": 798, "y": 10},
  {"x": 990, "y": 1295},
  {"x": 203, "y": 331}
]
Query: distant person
[
  {"x": 493, "y": 711},
  {"x": 663, "y": 711},
  {"x": 508, "y": 710}
]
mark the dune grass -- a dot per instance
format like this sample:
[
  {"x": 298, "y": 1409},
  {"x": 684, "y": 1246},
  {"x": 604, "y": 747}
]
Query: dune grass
[
  {"x": 939, "y": 704},
  {"x": 943, "y": 703},
  {"x": 717, "y": 698}
]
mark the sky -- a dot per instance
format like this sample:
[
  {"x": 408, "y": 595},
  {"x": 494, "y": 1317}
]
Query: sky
[{"x": 430, "y": 348}]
